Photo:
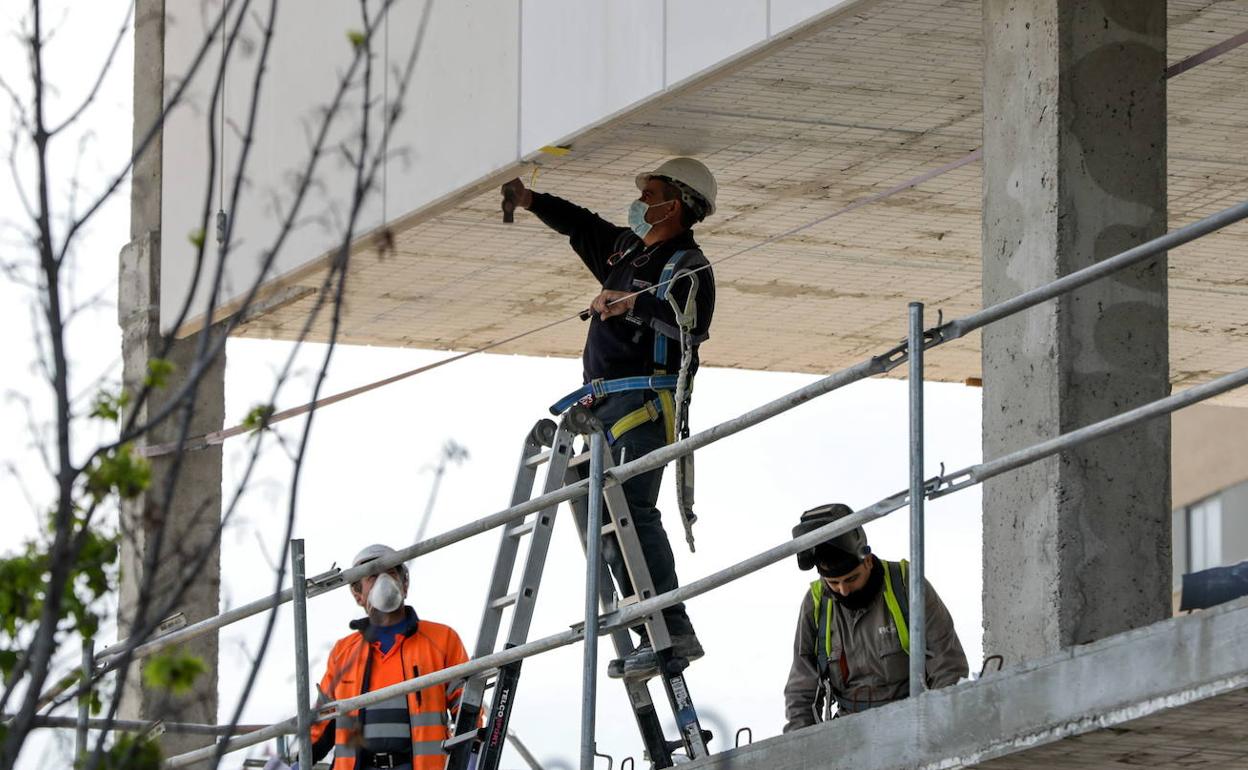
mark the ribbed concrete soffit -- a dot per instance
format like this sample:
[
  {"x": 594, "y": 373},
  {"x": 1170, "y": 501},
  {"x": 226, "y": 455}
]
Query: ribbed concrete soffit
[{"x": 875, "y": 98}]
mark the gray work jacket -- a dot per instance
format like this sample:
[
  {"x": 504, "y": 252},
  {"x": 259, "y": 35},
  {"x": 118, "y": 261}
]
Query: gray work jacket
[{"x": 879, "y": 669}]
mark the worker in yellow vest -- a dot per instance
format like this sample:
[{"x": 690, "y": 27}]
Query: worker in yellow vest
[{"x": 852, "y": 644}]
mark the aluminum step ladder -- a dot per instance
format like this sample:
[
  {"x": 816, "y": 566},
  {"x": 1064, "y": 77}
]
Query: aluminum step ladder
[{"x": 551, "y": 445}]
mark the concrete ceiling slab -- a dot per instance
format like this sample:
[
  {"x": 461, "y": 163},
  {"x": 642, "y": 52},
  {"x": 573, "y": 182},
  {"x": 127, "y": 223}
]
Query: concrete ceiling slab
[{"x": 853, "y": 105}]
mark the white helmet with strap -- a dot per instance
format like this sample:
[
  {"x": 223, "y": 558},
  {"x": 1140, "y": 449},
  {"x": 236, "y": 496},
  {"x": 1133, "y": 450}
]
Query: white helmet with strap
[{"x": 694, "y": 180}]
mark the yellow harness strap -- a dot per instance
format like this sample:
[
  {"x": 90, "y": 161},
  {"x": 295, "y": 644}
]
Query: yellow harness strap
[{"x": 647, "y": 413}]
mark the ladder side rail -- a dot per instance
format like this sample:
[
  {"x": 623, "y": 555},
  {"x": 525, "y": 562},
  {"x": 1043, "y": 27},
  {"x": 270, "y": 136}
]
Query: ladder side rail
[
  {"x": 508, "y": 548},
  {"x": 670, "y": 670},
  {"x": 639, "y": 698},
  {"x": 468, "y": 718},
  {"x": 505, "y": 686},
  {"x": 634, "y": 558},
  {"x": 539, "y": 542}
]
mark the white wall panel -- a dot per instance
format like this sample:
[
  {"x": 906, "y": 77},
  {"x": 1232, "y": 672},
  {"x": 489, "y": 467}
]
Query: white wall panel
[
  {"x": 703, "y": 32},
  {"x": 789, "y": 13},
  {"x": 586, "y": 60},
  {"x": 461, "y": 119},
  {"x": 495, "y": 80},
  {"x": 460, "y": 123}
]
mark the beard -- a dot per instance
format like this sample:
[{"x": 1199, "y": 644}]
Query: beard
[{"x": 863, "y": 597}]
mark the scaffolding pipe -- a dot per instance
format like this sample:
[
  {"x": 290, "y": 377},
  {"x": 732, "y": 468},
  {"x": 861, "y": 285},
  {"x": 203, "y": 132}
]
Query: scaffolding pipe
[
  {"x": 1159, "y": 245},
  {"x": 593, "y": 571},
  {"x": 138, "y": 725},
  {"x": 918, "y": 609},
  {"x": 299, "y": 584},
  {"x": 879, "y": 364},
  {"x": 632, "y": 614},
  {"x": 524, "y": 752},
  {"x": 976, "y": 474}
]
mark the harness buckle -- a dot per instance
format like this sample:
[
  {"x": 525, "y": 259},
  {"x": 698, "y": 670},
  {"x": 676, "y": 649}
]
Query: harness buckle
[
  {"x": 388, "y": 760},
  {"x": 597, "y": 389}
]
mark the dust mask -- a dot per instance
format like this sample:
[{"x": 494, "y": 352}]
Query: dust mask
[
  {"x": 386, "y": 594},
  {"x": 637, "y": 217}
]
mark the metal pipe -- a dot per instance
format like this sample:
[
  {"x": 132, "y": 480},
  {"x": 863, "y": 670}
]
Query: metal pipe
[
  {"x": 137, "y": 725},
  {"x": 339, "y": 578},
  {"x": 523, "y": 751},
  {"x": 373, "y": 697},
  {"x": 593, "y": 570},
  {"x": 629, "y": 616},
  {"x": 84, "y": 699},
  {"x": 879, "y": 364},
  {"x": 976, "y": 474},
  {"x": 622, "y": 618},
  {"x": 621, "y": 473},
  {"x": 962, "y": 326},
  {"x": 299, "y": 584},
  {"x": 918, "y": 614}
]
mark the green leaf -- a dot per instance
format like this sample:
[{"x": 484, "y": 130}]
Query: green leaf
[
  {"x": 130, "y": 752},
  {"x": 8, "y": 659},
  {"x": 356, "y": 37},
  {"x": 196, "y": 237},
  {"x": 258, "y": 417},
  {"x": 174, "y": 671},
  {"x": 120, "y": 471},
  {"x": 158, "y": 371},
  {"x": 108, "y": 406}
]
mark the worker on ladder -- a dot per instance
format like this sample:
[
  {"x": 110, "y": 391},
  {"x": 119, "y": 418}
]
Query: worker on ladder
[
  {"x": 641, "y": 351},
  {"x": 852, "y": 643},
  {"x": 388, "y": 646}
]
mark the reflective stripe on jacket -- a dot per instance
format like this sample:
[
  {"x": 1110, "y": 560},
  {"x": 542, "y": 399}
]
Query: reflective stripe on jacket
[
  {"x": 896, "y": 599},
  {"x": 878, "y": 667},
  {"x": 416, "y": 722}
]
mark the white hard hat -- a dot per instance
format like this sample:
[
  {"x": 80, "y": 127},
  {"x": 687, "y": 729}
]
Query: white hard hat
[
  {"x": 689, "y": 173},
  {"x": 375, "y": 551}
]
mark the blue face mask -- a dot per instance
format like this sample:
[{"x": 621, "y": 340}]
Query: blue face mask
[{"x": 637, "y": 217}]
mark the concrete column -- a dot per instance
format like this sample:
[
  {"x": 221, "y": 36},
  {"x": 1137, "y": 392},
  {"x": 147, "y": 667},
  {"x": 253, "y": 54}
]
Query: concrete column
[
  {"x": 1077, "y": 547},
  {"x": 190, "y": 522}
]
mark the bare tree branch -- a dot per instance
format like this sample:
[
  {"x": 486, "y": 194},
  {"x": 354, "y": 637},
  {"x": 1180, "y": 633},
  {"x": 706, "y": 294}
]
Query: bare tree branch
[{"x": 104, "y": 70}]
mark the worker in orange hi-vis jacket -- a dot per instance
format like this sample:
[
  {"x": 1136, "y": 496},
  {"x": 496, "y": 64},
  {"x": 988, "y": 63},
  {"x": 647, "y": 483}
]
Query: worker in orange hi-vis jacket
[{"x": 390, "y": 645}]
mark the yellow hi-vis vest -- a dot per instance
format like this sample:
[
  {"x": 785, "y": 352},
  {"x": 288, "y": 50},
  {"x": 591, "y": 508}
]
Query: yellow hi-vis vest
[{"x": 898, "y": 606}]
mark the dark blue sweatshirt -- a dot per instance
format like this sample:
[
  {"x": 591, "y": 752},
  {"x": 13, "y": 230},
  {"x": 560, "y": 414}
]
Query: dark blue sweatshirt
[{"x": 623, "y": 346}]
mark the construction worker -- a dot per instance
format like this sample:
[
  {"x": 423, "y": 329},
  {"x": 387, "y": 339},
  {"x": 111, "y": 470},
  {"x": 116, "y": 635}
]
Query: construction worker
[
  {"x": 636, "y": 336},
  {"x": 852, "y": 642},
  {"x": 388, "y": 646}
]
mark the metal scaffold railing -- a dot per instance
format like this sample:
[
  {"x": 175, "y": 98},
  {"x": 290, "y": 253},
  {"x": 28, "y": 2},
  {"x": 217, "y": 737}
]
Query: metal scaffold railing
[{"x": 920, "y": 487}]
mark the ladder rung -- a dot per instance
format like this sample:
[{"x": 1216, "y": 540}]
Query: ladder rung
[
  {"x": 532, "y": 461},
  {"x": 580, "y": 459},
  {"x": 523, "y": 528},
  {"x": 608, "y": 528},
  {"x": 504, "y": 601},
  {"x": 471, "y": 735}
]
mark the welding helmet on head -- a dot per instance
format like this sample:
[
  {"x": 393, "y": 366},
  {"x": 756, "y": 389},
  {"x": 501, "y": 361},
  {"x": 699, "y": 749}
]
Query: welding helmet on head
[{"x": 839, "y": 555}]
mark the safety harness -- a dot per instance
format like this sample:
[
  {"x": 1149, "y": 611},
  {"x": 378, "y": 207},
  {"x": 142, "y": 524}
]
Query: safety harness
[
  {"x": 896, "y": 598},
  {"x": 672, "y": 391}
]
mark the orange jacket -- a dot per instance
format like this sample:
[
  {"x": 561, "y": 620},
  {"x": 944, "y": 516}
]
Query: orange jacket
[{"x": 429, "y": 647}]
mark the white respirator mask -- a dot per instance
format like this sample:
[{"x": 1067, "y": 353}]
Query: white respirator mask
[{"x": 386, "y": 595}]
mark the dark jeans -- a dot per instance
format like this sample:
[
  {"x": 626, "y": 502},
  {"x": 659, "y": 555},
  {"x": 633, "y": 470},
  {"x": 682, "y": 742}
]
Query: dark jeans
[{"x": 642, "y": 492}]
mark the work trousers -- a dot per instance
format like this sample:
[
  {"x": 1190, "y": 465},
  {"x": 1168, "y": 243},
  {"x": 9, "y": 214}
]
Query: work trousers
[{"x": 642, "y": 492}]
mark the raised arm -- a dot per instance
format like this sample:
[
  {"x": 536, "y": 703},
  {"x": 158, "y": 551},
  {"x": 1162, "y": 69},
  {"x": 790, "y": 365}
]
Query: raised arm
[{"x": 593, "y": 238}]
